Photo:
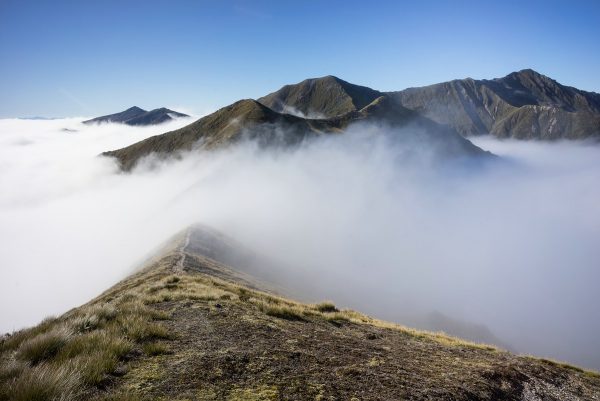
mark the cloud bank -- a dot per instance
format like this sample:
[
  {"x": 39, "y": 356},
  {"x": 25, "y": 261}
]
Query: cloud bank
[{"x": 510, "y": 245}]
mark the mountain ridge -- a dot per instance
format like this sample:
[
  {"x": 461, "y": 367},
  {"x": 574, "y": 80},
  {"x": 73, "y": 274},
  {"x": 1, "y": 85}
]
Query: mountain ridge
[
  {"x": 251, "y": 119},
  {"x": 186, "y": 326},
  {"x": 523, "y": 105}
]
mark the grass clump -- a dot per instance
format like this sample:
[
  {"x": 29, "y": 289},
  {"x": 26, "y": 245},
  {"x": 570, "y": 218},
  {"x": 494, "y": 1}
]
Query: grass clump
[
  {"x": 17, "y": 338},
  {"x": 45, "y": 382},
  {"x": 66, "y": 359},
  {"x": 44, "y": 346},
  {"x": 243, "y": 294},
  {"x": 326, "y": 307},
  {"x": 139, "y": 329},
  {"x": 10, "y": 370},
  {"x": 155, "y": 348},
  {"x": 139, "y": 309},
  {"x": 108, "y": 342},
  {"x": 96, "y": 367},
  {"x": 94, "y": 317},
  {"x": 282, "y": 311},
  {"x": 337, "y": 318}
]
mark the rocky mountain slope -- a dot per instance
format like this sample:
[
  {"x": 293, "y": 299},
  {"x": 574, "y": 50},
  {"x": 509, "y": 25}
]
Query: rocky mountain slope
[
  {"x": 249, "y": 119},
  {"x": 522, "y": 105},
  {"x": 136, "y": 116},
  {"x": 188, "y": 326}
]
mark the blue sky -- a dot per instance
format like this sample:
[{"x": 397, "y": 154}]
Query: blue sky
[{"x": 73, "y": 58}]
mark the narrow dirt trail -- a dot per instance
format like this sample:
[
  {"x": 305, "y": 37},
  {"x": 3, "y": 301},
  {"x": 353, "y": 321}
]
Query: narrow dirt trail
[{"x": 180, "y": 263}]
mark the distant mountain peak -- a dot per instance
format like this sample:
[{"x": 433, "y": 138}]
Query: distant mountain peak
[{"x": 138, "y": 116}]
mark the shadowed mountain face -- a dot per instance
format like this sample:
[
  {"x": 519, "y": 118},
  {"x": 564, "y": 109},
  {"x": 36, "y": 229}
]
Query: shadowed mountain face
[
  {"x": 188, "y": 326},
  {"x": 522, "y": 105},
  {"x": 249, "y": 119},
  {"x": 136, "y": 116}
]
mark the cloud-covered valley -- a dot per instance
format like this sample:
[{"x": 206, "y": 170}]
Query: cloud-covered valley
[{"x": 510, "y": 244}]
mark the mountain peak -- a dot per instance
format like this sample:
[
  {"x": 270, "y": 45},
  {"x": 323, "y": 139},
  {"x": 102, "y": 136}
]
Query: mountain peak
[
  {"x": 529, "y": 74},
  {"x": 323, "y": 97},
  {"x": 522, "y": 104}
]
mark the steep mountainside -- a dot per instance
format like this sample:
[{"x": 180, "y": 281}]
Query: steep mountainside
[
  {"x": 190, "y": 327},
  {"x": 522, "y": 105},
  {"x": 252, "y": 120},
  {"x": 136, "y": 116}
]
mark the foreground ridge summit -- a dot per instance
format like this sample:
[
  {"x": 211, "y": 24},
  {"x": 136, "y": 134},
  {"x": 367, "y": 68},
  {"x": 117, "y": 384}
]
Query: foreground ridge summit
[{"x": 189, "y": 326}]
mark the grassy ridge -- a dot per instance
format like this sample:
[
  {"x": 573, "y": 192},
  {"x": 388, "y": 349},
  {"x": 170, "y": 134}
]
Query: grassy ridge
[{"x": 129, "y": 344}]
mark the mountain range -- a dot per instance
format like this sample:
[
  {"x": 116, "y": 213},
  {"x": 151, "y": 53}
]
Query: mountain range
[
  {"x": 137, "y": 116},
  {"x": 188, "y": 326},
  {"x": 252, "y": 119},
  {"x": 522, "y": 105}
]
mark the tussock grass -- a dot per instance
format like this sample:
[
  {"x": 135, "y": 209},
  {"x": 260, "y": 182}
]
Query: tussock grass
[
  {"x": 11, "y": 369},
  {"x": 44, "y": 382},
  {"x": 326, "y": 307},
  {"x": 138, "y": 329},
  {"x": 15, "y": 340},
  {"x": 96, "y": 367},
  {"x": 95, "y": 317},
  {"x": 243, "y": 294},
  {"x": 155, "y": 348},
  {"x": 139, "y": 309},
  {"x": 282, "y": 311},
  {"x": 63, "y": 359},
  {"x": 337, "y": 317},
  {"x": 44, "y": 346},
  {"x": 109, "y": 342}
]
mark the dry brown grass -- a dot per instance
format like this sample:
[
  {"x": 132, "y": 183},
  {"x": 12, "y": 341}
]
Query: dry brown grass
[
  {"x": 15, "y": 340},
  {"x": 281, "y": 311},
  {"x": 75, "y": 355},
  {"x": 44, "y": 346},
  {"x": 44, "y": 382},
  {"x": 61, "y": 359},
  {"x": 326, "y": 307},
  {"x": 155, "y": 348}
]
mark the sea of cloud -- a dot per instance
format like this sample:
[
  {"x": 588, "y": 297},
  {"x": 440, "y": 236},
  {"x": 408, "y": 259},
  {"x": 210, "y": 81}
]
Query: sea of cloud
[{"x": 511, "y": 244}]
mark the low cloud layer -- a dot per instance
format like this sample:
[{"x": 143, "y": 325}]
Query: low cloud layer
[{"x": 511, "y": 245}]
